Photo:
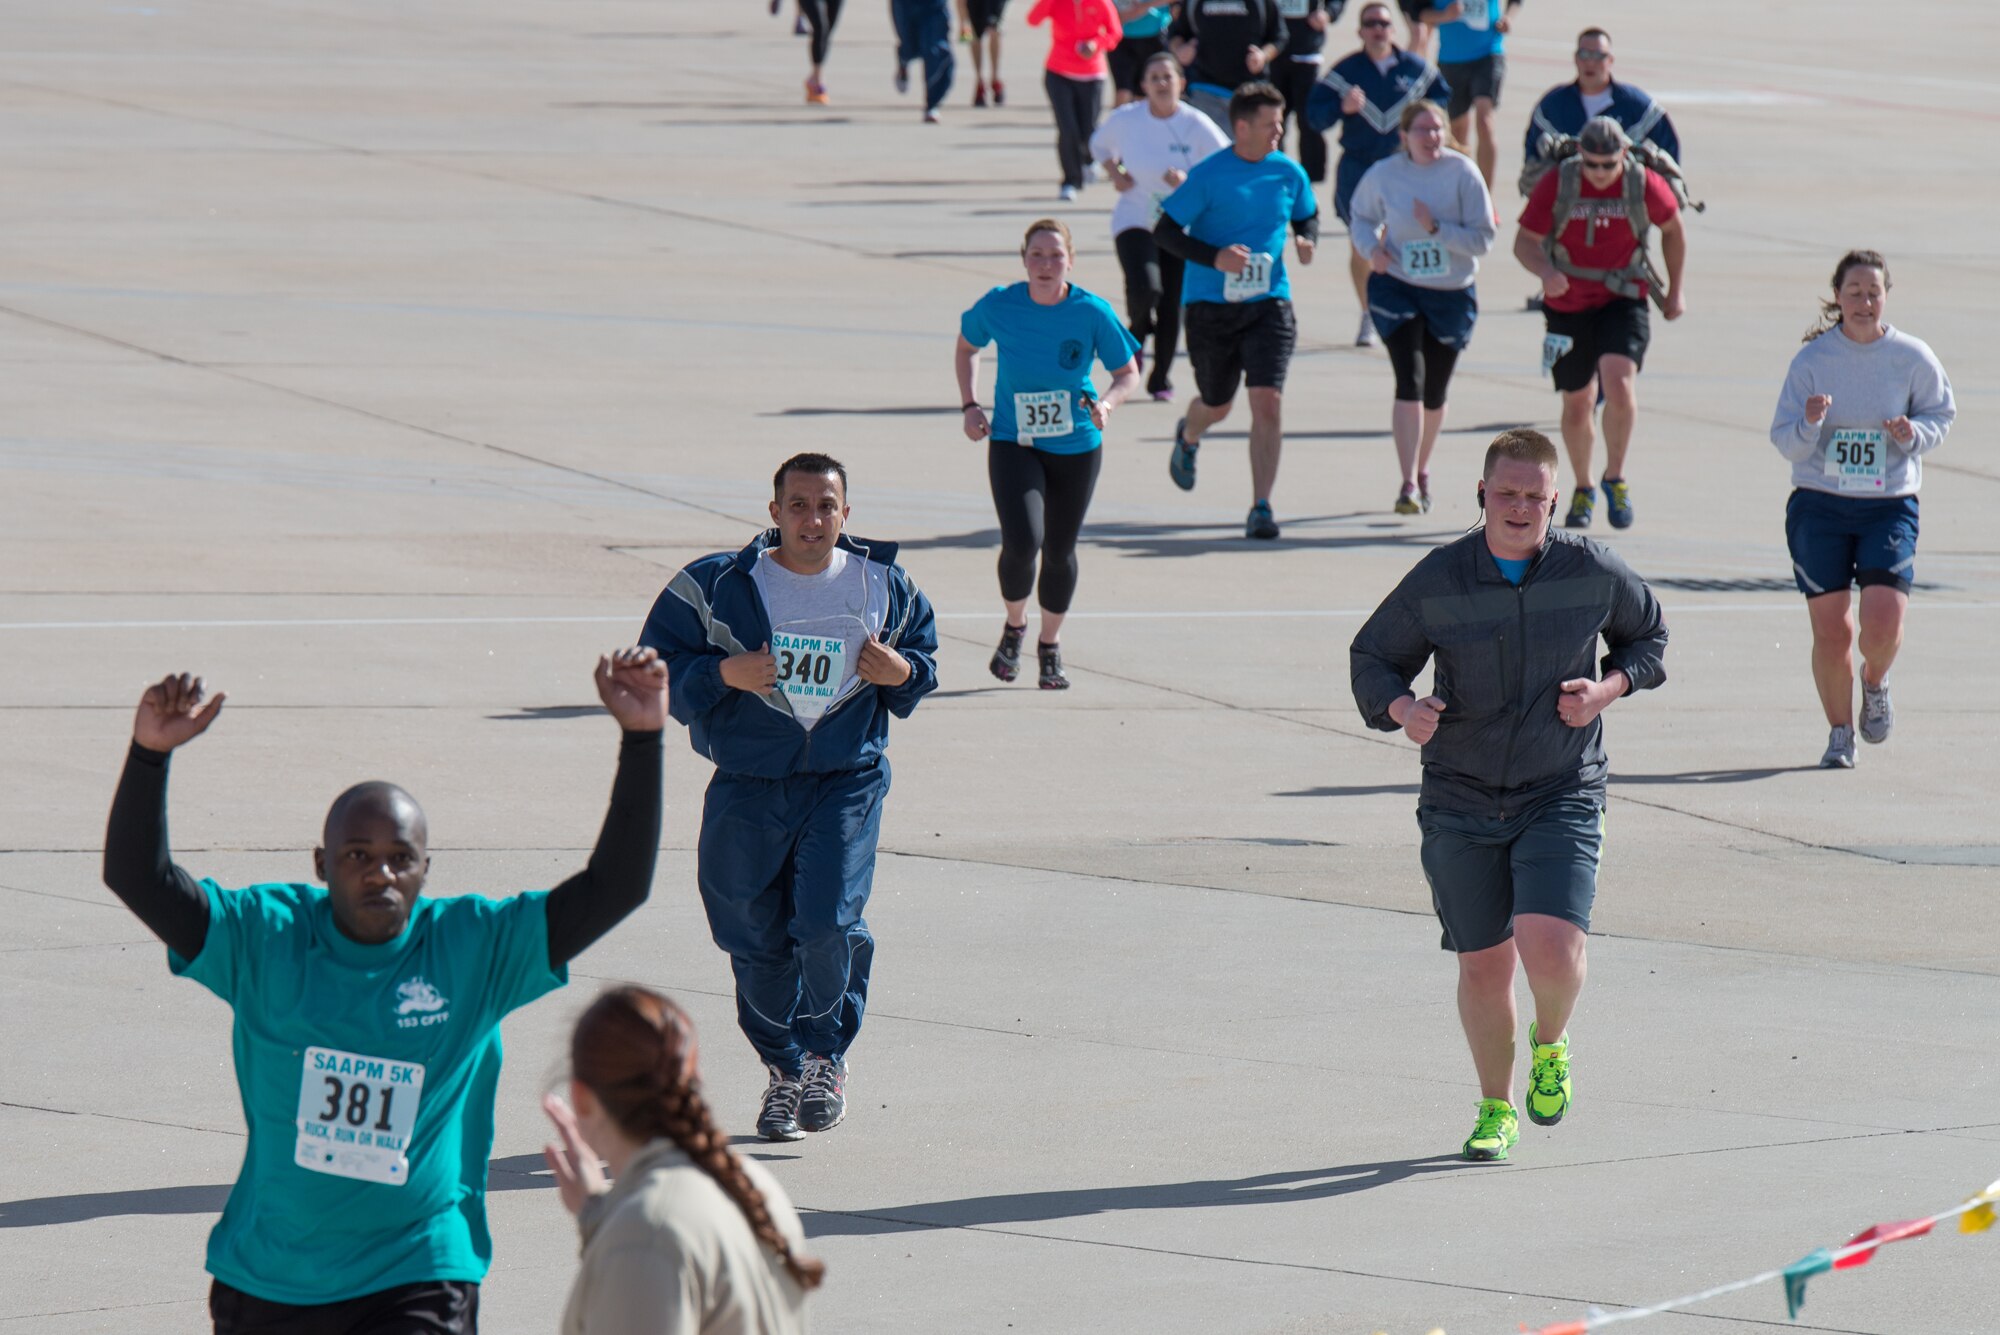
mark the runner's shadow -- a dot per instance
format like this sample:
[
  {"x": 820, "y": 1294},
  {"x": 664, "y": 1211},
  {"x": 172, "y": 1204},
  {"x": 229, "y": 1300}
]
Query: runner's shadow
[
  {"x": 1311, "y": 1184},
  {"x": 109, "y": 1204},
  {"x": 1701, "y": 776},
  {"x": 538, "y": 713},
  {"x": 1157, "y": 539},
  {"x": 1354, "y": 790}
]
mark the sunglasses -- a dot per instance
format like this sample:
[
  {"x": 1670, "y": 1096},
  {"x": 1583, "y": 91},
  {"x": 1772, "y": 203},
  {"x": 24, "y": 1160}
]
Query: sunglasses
[
  {"x": 1600, "y": 165},
  {"x": 1593, "y": 56},
  {"x": 1377, "y": 23}
]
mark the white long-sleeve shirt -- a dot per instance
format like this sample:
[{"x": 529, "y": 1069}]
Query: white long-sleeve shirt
[
  {"x": 1455, "y": 193},
  {"x": 1850, "y": 452}
]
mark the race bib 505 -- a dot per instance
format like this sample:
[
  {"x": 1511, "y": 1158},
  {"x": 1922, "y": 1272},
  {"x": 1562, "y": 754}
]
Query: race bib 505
[{"x": 1855, "y": 459}]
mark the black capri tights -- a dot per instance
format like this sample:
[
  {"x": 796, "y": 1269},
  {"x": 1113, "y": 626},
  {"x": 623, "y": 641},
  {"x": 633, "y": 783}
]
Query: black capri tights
[
  {"x": 1152, "y": 299},
  {"x": 1423, "y": 365},
  {"x": 1041, "y": 499},
  {"x": 821, "y": 15}
]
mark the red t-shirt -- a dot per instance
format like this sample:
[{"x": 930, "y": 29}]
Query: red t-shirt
[{"x": 1599, "y": 236}]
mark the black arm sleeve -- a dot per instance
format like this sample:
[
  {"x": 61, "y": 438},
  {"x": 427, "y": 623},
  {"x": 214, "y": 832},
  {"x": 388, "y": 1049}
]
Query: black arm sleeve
[
  {"x": 1171, "y": 237},
  {"x": 137, "y": 865},
  {"x": 619, "y": 874},
  {"x": 1307, "y": 227}
]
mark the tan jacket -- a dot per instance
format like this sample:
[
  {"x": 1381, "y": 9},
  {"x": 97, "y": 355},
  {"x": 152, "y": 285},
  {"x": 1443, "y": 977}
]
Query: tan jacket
[{"x": 666, "y": 1252}]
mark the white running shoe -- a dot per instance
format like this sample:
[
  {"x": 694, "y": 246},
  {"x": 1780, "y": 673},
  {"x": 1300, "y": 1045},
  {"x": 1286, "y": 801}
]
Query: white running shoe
[
  {"x": 1839, "y": 750},
  {"x": 1067, "y": 193},
  {"x": 1878, "y": 712},
  {"x": 1364, "y": 337}
]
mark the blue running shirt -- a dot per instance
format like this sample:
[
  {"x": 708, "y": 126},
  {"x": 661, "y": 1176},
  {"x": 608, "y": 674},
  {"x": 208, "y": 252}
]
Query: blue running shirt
[
  {"x": 1228, "y": 201},
  {"x": 367, "y": 1076},
  {"x": 1471, "y": 39},
  {"x": 1045, "y": 354}
]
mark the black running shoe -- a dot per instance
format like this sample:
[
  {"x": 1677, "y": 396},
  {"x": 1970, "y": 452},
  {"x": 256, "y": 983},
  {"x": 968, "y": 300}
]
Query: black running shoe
[
  {"x": 1052, "y": 673},
  {"x": 1006, "y": 663},
  {"x": 778, "y": 1119},
  {"x": 824, "y": 1101}
]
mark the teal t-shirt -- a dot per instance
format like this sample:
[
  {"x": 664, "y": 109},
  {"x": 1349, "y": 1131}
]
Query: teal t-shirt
[
  {"x": 1229, "y": 201},
  {"x": 1515, "y": 571},
  {"x": 1474, "y": 37},
  {"x": 1044, "y": 363},
  {"x": 1151, "y": 23},
  {"x": 366, "y": 1075}
]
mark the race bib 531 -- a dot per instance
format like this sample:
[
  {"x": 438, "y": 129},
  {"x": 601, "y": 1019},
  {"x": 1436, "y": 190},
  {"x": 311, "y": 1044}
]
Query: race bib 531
[{"x": 356, "y": 1114}]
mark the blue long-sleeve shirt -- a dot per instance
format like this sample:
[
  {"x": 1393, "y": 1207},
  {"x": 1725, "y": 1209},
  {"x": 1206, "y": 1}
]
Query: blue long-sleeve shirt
[
  {"x": 1560, "y": 112},
  {"x": 1370, "y": 134}
]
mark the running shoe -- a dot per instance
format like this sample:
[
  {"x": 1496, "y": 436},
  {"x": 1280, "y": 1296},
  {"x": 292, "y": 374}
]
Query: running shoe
[
  {"x": 1050, "y": 656},
  {"x": 1618, "y": 502},
  {"x": 1407, "y": 502},
  {"x": 902, "y": 78},
  {"x": 1006, "y": 662},
  {"x": 1581, "y": 507},
  {"x": 816, "y": 93},
  {"x": 1424, "y": 491},
  {"x": 1364, "y": 337},
  {"x": 823, "y": 1101},
  {"x": 1878, "y": 712},
  {"x": 999, "y": 94},
  {"x": 1548, "y": 1079},
  {"x": 931, "y": 116},
  {"x": 775, "y": 4},
  {"x": 1496, "y": 1132},
  {"x": 1066, "y": 194},
  {"x": 1090, "y": 173},
  {"x": 1180, "y": 464},
  {"x": 1164, "y": 394},
  {"x": 800, "y": 27},
  {"x": 778, "y": 1119},
  {"x": 1839, "y": 749},
  {"x": 979, "y": 94},
  {"x": 1260, "y": 523}
]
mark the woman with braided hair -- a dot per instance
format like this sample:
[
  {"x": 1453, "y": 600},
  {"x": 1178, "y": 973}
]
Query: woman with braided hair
[{"x": 688, "y": 1238}]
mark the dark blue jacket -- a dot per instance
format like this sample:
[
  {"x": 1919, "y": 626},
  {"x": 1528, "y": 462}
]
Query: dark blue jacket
[
  {"x": 1370, "y": 135},
  {"x": 712, "y": 609},
  {"x": 1560, "y": 112}
]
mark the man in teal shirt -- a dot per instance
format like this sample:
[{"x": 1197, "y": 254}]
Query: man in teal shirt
[{"x": 366, "y": 1036}]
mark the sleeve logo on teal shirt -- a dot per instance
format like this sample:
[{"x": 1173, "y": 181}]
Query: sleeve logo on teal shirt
[
  {"x": 418, "y": 1003},
  {"x": 1070, "y": 354}
]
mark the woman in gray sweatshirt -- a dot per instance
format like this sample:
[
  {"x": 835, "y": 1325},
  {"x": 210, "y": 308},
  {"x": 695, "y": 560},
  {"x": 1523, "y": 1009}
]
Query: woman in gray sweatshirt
[
  {"x": 1862, "y": 404},
  {"x": 1422, "y": 218}
]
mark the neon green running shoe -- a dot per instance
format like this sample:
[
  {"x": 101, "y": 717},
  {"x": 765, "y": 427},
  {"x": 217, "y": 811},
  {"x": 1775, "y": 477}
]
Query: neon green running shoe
[
  {"x": 1548, "y": 1080},
  {"x": 1494, "y": 1133}
]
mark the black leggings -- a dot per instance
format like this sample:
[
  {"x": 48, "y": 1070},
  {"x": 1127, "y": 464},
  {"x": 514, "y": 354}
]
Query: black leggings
[
  {"x": 1152, "y": 299},
  {"x": 1295, "y": 79},
  {"x": 1076, "y": 103},
  {"x": 821, "y": 15},
  {"x": 1040, "y": 498},
  {"x": 1423, "y": 365}
]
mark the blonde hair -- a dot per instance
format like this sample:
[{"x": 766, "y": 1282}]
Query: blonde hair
[{"x": 1418, "y": 108}]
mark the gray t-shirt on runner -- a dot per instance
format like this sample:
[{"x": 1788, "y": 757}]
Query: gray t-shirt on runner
[
  {"x": 818, "y": 625},
  {"x": 1850, "y": 452}
]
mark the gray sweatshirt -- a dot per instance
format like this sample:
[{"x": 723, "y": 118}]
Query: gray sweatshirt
[
  {"x": 1850, "y": 452},
  {"x": 1455, "y": 193}
]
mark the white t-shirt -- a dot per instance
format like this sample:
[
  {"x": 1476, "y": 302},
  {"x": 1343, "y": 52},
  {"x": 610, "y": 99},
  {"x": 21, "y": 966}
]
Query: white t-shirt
[
  {"x": 1148, "y": 145},
  {"x": 1596, "y": 104},
  {"x": 818, "y": 625}
]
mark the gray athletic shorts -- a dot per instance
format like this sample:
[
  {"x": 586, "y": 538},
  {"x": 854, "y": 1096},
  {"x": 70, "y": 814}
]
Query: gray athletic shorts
[{"x": 1485, "y": 869}]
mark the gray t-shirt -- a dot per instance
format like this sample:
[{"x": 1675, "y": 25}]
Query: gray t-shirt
[
  {"x": 818, "y": 625},
  {"x": 1850, "y": 452},
  {"x": 1455, "y": 193}
]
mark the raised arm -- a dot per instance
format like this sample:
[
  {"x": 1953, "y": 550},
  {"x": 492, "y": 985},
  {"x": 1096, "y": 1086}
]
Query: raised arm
[
  {"x": 138, "y": 865},
  {"x": 632, "y": 683}
]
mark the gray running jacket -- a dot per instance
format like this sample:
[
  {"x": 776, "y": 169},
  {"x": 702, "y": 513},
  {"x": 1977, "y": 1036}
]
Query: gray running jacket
[{"x": 1502, "y": 654}]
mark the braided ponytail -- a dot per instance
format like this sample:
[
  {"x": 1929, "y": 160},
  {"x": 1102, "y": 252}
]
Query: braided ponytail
[{"x": 636, "y": 1051}]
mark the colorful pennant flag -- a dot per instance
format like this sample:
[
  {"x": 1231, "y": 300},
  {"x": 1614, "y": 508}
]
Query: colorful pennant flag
[
  {"x": 1798, "y": 1272},
  {"x": 1881, "y": 1235}
]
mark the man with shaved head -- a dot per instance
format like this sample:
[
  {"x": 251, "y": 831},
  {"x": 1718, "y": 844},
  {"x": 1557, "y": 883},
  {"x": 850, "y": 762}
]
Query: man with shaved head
[{"x": 367, "y": 1031}]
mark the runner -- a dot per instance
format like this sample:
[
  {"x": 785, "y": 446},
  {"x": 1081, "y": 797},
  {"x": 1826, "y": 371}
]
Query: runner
[
  {"x": 1583, "y": 234},
  {"x": 1080, "y": 32},
  {"x": 983, "y": 17},
  {"x": 1045, "y": 437},
  {"x": 1367, "y": 92},
  {"x": 1512, "y": 810},
  {"x": 796, "y": 728},
  {"x": 820, "y": 17},
  {"x": 367, "y": 1024},
  {"x": 1225, "y": 44},
  {"x": 1862, "y": 404},
  {"x": 923, "y": 32},
  {"x": 1472, "y": 41},
  {"x": 1147, "y": 149},
  {"x": 1423, "y": 219},
  {"x": 686, "y": 1235},
  {"x": 1230, "y": 217},
  {"x": 1296, "y": 72},
  {"x": 1145, "y": 36},
  {"x": 1564, "y": 109}
]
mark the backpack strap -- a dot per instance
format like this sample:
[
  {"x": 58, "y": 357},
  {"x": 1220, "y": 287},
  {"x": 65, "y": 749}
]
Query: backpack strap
[{"x": 1624, "y": 280}]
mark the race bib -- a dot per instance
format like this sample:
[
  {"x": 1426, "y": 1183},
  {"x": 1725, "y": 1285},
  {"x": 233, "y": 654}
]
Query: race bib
[
  {"x": 1424, "y": 259},
  {"x": 1253, "y": 282},
  {"x": 1155, "y": 207},
  {"x": 1478, "y": 15},
  {"x": 356, "y": 1114},
  {"x": 1856, "y": 458},
  {"x": 1040, "y": 414},
  {"x": 1554, "y": 348},
  {"x": 1294, "y": 9},
  {"x": 810, "y": 669}
]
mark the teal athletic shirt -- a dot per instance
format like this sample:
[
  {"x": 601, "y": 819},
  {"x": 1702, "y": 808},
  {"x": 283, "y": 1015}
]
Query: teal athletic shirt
[
  {"x": 1227, "y": 201},
  {"x": 376, "y": 1064},
  {"x": 1460, "y": 42},
  {"x": 1515, "y": 571},
  {"x": 1046, "y": 351}
]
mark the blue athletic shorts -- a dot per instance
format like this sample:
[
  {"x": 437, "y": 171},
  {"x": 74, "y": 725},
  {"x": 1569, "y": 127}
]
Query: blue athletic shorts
[
  {"x": 1448, "y": 314},
  {"x": 1346, "y": 176},
  {"x": 1838, "y": 541},
  {"x": 1485, "y": 869}
]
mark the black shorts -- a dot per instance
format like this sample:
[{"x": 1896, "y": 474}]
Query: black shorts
[
  {"x": 1473, "y": 78},
  {"x": 984, "y": 14},
  {"x": 1485, "y": 869},
  {"x": 1128, "y": 60},
  {"x": 1414, "y": 10},
  {"x": 1622, "y": 329},
  {"x": 1251, "y": 341},
  {"x": 436, "y": 1307}
]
